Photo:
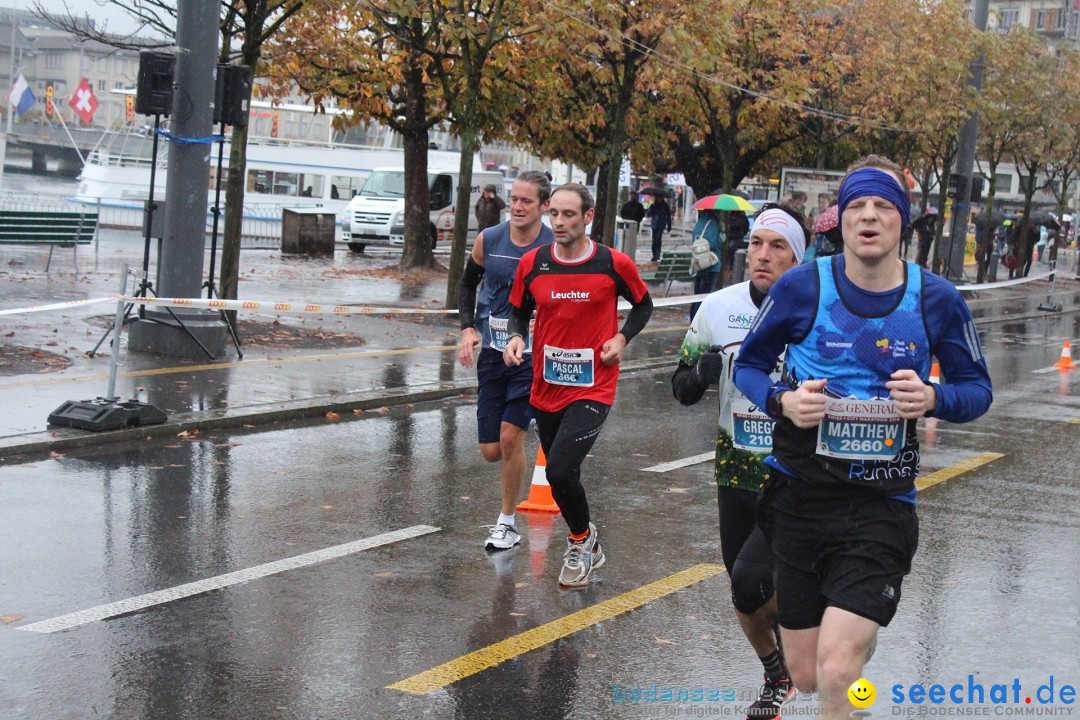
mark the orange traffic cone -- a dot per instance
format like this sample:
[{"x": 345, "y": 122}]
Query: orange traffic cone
[
  {"x": 935, "y": 374},
  {"x": 1065, "y": 361},
  {"x": 539, "y": 492}
]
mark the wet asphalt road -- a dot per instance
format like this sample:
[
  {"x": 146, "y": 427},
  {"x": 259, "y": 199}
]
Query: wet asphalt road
[{"x": 992, "y": 593}]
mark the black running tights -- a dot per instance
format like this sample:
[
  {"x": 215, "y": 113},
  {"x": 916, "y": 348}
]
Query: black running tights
[{"x": 566, "y": 437}]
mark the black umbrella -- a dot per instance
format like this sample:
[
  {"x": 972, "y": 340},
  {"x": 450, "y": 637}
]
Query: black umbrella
[
  {"x": 996, "y": 217},
  {"x": 656, "y": 191},
  {"x": 1042, "y": 217}
]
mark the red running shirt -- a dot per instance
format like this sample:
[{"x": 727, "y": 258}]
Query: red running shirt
[{"x": 576, "y": 313}]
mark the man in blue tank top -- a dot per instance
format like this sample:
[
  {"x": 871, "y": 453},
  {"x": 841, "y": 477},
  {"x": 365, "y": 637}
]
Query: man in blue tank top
[
  {"x": 838, "y": 508},
  {"x": 503, "y": 412}
]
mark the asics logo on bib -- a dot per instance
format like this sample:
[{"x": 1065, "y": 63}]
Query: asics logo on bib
[
  {"x": 564, "y": 354},
  {"x": 570, "y": 295}
]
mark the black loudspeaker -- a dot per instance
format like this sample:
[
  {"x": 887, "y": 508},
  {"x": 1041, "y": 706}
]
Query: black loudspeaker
[
  {"x": 153, "y": 94},
  {"x": 231, "y": 95}
]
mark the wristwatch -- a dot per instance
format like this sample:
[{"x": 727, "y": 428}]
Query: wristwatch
[{"x": 775, "y": 406}]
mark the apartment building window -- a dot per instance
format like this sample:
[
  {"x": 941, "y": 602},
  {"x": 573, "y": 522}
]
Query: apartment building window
[
  {"x": 1040, "y": 20},
  {"x": 1003, "y": 183},
  {"x": 1062, "y": 19},
  {"x": 101, "y": 86},
  {"x": 1009, "y": 17},
  {"x": 53, "y": 61}
]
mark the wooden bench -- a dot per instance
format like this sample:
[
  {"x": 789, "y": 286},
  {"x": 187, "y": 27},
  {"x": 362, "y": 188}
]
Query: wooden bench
[
  {"x": 52, "y": 228},
  {"x": 674, "y": 265}
]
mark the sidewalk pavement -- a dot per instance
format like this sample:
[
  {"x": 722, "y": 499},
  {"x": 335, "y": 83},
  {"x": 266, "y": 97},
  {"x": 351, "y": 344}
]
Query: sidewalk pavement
[{"x": 294, "y": 366}]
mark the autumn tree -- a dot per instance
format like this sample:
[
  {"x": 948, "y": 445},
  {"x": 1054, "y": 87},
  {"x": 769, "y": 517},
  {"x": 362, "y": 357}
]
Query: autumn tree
[
  {"x": 472, "y": 64},
  {"x": 737, "y": 99},
  {"x": 597, "y": 54},
  {"x": 1007, "y": 104},
  {"x": 374, "y": 58},
  {"x": 1063, "y": 167}
]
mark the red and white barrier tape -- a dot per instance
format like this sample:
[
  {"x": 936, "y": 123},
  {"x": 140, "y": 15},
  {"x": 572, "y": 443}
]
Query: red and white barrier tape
[{"x": 326, "y": 309}]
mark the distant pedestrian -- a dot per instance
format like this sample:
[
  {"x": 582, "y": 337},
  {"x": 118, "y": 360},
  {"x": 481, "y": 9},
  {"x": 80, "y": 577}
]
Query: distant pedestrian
[
  {"x": 798, "y": 200},
  {"x": 707, "y": 227},
  {"x": 984, "y": 245},
  {"x": 926, "y": 228},
  {"x": 660, "y": 217},
  {"x": 489, "y": 208},
  {"x": 632, "y": 210}
]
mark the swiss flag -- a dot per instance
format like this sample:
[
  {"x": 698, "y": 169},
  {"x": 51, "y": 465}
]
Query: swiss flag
[{"x": 83, "y": 102}]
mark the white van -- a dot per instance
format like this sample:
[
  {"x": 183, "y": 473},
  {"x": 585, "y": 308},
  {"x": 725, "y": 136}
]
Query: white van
[{"x": 376, "y": 216}]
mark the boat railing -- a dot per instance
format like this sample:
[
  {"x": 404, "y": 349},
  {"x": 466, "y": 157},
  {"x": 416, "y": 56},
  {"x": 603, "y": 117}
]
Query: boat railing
[{"x": 121, "y": 160}]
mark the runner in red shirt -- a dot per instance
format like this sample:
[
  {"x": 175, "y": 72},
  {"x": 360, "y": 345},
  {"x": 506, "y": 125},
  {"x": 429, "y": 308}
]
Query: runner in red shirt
[{"x": 574, "y": 286}]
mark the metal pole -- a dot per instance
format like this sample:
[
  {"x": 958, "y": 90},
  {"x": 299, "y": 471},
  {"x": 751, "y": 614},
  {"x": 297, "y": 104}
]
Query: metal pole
[
  {"x": 965, "y": 162},
  {"x": 217, "y": 214},
  {"x": 14, "y": 27},
  {"x": 118, "y": 325}
]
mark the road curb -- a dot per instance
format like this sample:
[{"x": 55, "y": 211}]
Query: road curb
[{"x": 20, "y": 448}]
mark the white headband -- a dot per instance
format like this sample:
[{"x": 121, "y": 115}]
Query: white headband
[{"x": 779, "y": 221}]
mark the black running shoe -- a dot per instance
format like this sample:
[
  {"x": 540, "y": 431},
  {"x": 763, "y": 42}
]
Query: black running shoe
[{"x": 771, "y": 696}]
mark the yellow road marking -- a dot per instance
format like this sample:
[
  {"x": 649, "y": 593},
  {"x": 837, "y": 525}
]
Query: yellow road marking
[
  {"x": 958, "y": 469},
  {"x": 490, "y": 656},
  {"x": 1075, "y": 421},
  {"x": 181, "y": 369}
]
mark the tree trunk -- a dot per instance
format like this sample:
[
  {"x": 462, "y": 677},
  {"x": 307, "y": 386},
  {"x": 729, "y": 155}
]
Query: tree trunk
[
  {"x": 988, "y": 221},
  {"x": 234, "y": 215},
  {"x": 940, "y": 257},
  {"x": 417, "y": 251},
  {"x": 599, "y": 226},
  {"x": 462, "y": 209}
]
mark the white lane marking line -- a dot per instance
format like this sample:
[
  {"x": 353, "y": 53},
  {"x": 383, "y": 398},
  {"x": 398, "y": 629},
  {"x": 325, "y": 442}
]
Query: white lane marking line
[
  {"x": 101, "y": 612},
  {"x": 676, "y": 464}
]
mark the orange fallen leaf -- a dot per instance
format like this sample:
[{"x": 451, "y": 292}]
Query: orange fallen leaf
[
  {"x": 56, "y": 455},
  {"x": 332, "y": 416},
  {"x": 194, "y": 432},
  {"x": 383, "y": 574},
  {"x": 8, "y": 619},
  {"x": 358, "y": 411},
  {"x": 659, "y": 639},
  {"x": 517, "y": 614}
]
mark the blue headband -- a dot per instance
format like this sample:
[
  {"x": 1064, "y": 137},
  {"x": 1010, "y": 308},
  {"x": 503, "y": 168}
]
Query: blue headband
[{"x": 866, "y": 182}]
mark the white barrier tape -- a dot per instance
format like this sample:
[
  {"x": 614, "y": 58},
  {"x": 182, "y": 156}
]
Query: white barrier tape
[
  {"x": 314, "y": 309},
  {"x": 282, "y": 307},
  {"x": 318, "y": 309},
  {"x": 58, "y": 306},
  {"x": 1004, "y": 283}
]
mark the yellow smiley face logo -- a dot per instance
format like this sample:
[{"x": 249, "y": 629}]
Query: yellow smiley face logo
[{"x": 862, "y": 693}]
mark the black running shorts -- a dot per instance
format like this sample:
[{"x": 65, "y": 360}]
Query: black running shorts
[{"x": 835, "y": 545}]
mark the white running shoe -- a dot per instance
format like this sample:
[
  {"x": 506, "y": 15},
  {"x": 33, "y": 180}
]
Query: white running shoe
[
  {"x": 580, "y": 559},
  {"x": 502, "y": 537}
]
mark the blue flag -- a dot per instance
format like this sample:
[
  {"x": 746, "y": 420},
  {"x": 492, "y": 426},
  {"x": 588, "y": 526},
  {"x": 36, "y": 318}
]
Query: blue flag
[{"x": 22, "y": 99}]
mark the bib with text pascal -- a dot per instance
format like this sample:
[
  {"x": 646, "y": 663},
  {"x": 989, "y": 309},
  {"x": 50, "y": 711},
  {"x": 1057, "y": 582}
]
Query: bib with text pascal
[
  {"x": 568, "y": 366},
  {"x": 861, "y": 430}
]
